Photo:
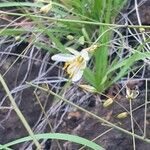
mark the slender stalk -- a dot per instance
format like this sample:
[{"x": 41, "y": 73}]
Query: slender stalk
[
  {"x": 145, "y": 113},
  {"x": 75, "y": 21},
  {"x": 90, "y": 113},
  {"x": 18, "y": 112},
  {"x": 5, "y": 148},
  {"x": 132, "y": 124}
]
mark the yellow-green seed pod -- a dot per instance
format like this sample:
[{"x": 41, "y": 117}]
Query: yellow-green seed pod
[
  {"x": 17, "y": 38},
  {"x": 92, "y": 48},
  {"x": 142, "y": 29},
  {"x": 88, "y": 88},
  {"x": 122, "y": 115},
  {"x": 108, "y": 102}
]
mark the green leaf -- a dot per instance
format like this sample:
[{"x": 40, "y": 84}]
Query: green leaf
[
  {"x": 57, "y": 136},
  {"x": 89, "y": 76},
  {"x": 11, "y": 32},
  {"x": 129, "y": 61},
  {"x": 126, "y": 64}
]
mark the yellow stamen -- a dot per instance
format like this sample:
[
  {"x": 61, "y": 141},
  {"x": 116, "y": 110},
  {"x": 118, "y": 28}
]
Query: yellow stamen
[
  {"x": 66, "y": 65},
  {"x": 72, "y": 66},
  {"x": 80, "y": 59}
]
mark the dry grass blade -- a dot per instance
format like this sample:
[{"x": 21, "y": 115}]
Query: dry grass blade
[{"x": 18, "y": 112}]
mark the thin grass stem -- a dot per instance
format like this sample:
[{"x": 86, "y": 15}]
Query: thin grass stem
[
  {"x": 145, "y": 110},
  {"x": 132, "y": 124},
  {"x": 19, "y": 113}
]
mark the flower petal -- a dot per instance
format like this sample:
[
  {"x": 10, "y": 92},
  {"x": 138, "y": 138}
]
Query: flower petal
[
  {"x": 77, "y": 76},
  {"x": 63, "y": 57},
  {"x": 73, "y": 51},
  {"x": 85, "y": 55},
  {"x": 73, "y": 68},
  {"x": 83, "y": 65},
  {"x": 78, "y": 72}
]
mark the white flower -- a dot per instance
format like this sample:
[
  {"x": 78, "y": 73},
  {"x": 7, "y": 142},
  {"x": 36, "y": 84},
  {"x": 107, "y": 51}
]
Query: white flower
[{"x": 75, "y": 63}]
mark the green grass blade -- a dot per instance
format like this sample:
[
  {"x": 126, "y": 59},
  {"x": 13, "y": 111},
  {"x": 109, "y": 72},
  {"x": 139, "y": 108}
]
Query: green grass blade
[
  {"x": 58, "y": 136},
  {"x": 15, "y": 4}
]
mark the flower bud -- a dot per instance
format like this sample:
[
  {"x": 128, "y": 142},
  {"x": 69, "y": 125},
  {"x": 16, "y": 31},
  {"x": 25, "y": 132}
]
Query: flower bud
[
  {"x": 17, "y": 38},
  {"x": 92, "y": 48},
  {"x": 70, "y": 37},
  {"x": 122, "y": 115},
  {"x": 88, "y": 88},
  {"x": 142, "y": 29},
  {"x": 108, "y": 102}
]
